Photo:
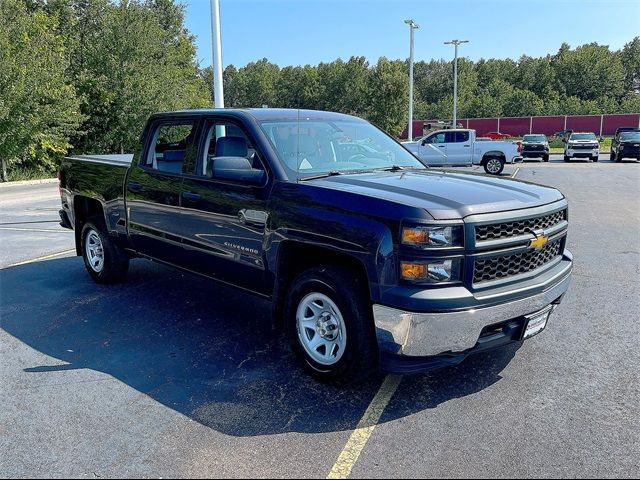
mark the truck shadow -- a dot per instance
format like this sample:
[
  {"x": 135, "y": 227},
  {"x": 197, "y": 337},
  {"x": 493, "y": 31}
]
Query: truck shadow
[{"x": 204, "y": 350}]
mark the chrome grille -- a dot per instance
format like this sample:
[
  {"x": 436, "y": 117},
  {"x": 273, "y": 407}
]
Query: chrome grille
[
  {"x": 487, "y": 269},
  {"x": 518, "y": 227}
]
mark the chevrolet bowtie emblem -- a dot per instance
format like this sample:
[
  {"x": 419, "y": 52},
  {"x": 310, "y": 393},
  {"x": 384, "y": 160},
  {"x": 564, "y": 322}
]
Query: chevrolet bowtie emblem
[{"x": 539, "y": 242}]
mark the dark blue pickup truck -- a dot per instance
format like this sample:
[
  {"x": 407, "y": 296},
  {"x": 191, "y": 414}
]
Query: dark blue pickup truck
[{"x": 370, "y": 258}]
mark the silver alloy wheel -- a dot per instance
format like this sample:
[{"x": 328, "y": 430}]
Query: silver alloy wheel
[
  {"x": 321, "y": 329},
  {"x": 494, "y": 165},
  {"x": 94, "y": 251}
]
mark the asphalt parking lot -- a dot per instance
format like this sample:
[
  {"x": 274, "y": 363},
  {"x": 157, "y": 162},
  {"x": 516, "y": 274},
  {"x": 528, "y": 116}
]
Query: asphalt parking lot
[{"x": 171, "y": 375}]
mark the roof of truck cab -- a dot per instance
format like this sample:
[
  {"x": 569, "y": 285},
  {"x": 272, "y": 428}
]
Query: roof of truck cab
[{"x": 262, "y": 114}]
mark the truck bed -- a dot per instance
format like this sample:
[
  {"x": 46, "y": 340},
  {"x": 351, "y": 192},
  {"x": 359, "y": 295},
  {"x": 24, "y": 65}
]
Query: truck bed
[{"x": 123, "y": 160}]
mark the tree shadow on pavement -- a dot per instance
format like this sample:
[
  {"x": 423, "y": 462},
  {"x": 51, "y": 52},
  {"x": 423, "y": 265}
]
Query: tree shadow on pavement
[{"x": 205, "y": 350}]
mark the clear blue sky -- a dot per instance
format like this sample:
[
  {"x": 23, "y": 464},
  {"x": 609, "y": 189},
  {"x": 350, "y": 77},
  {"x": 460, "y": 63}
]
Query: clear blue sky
[{"x": 299, "y": 32}]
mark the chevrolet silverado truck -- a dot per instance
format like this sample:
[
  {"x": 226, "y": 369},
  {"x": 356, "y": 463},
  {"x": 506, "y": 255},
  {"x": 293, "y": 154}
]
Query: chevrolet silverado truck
[
  {"x": 625, "y": 144},
  {"x": 582, "y": 145},
  {"x": 535, "y": 146},
  {"x": 369, "y": 258},
  {"x": 458, "y": 147}
]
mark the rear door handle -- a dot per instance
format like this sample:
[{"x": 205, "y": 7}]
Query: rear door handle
[
  {"x": 134, "y": 186},
  {"x": 194, "y": 197}
]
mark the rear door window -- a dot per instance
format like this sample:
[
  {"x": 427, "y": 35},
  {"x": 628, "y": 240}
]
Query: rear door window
[{"x": 173, "y": 148}]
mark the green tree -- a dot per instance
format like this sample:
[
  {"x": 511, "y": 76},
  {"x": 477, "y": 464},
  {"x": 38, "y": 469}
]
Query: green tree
[
  {"x": 589, "y": 72},
  {"x": 38, "y": 108},
  {"x": 388, "y": 95},
  {"x": 630, "y": 58}
]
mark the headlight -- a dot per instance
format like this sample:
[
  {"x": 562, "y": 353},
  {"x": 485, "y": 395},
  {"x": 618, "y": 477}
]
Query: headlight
[
  {"x": 432, "y": 271},
  {"x": 425, "y": 236}
]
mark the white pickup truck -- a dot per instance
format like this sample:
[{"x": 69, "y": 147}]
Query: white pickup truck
[{"x": 458, "y": 147}]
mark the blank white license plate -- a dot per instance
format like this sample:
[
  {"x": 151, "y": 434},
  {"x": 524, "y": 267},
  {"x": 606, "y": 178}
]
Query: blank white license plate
[{"x": 536, "y": 322}]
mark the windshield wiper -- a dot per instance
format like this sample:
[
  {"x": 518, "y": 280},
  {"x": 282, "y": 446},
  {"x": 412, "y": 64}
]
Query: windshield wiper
[
  {"x": 395, "y": 168},
  {"x": 332, "y": 173}
]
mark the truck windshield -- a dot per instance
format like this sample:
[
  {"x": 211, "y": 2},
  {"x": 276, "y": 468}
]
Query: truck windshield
[
  {"x": 583, "y": 136},
  {"x": 312, "y": 147},
  {"x": 533, "y": 138},
  {"x": 630, "y": 136}
]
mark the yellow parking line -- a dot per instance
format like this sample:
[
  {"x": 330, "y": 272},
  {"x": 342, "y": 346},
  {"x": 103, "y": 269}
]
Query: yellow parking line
[
  {"x": 515, "y": 173},
  {"x": 44, "y": 257},
  {"x": 358, "y": 439}
]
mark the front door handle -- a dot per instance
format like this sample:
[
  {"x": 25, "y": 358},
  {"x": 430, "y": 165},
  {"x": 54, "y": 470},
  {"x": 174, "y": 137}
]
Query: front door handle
[
  {"x": 441, "y": 146},
  {"x": 134, "y": 186},
  {"x": 194, "y": 197}
]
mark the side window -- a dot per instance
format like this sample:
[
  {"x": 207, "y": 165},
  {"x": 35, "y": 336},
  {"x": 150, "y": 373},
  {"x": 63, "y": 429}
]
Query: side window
[
  {"x": 172, "y": 148},
  {"x": 437, "y": 138},
  {"x": 228, "y": 148},
  {"x": 461, "y": 137}
]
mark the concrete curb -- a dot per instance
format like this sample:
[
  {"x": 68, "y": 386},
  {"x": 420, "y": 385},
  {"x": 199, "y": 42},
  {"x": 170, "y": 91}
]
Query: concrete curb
[{"x": 27, "y": 182}]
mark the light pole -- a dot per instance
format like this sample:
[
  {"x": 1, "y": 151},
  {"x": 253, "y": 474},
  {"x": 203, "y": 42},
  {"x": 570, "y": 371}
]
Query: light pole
[
  {"x": 412, "y": 26},
  {"x": 218, "y": 93},
  {"x": 455, "y": 79}
]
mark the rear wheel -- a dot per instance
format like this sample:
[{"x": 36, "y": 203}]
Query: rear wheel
[
  {"x": 103, "y": 259},
  {"x": 494, "y": 165},
  {"x": 331, "y": 325}
]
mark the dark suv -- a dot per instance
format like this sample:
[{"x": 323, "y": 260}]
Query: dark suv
[{"x": 535, "y": 146}]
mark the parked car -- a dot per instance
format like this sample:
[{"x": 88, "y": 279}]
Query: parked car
[
  {"x": 367, "y": 261},
  {"x": 627, "y": 145},
  {"x": 582, "y": 145},
  {"x": 497, "y": 136},
  {"x": 459, "y": 148},
  {"x": 535, "y": 146},
  {"x": 616, "y": 138},
  {"x": 564, "y": 134}
]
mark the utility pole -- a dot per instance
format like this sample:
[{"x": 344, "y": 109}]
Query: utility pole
[
  {"x": 218, "y": 91},
  {"x": 412, "y": 26},
  {"x": 455, "y": 79}
]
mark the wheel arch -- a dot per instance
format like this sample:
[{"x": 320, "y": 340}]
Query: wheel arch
[{"x": 83, "y": 209}]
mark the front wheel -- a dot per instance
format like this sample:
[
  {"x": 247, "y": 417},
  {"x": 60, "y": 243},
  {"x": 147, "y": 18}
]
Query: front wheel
[
  {"x": 103, "y": 259},
  {"x": 494, "y": 165},
  {"x": 594, "y": 159},
  {"x": 331, "y": 325},
  {"x": 567, "y": 158},
  {"x": 545, "y": 158},
  {"x": 612, "y": 157}
]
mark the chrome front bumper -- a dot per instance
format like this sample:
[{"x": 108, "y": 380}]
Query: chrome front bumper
[{"x": 426, "y": 334}]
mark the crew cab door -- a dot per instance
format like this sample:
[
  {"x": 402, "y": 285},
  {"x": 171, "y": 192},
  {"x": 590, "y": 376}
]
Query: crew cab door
[
  {"x": 459, "y": 147},
  {"x": 433, "y": 149},
  {"x": 224, "y": 208},
  {"x": 153, "y": 187}
]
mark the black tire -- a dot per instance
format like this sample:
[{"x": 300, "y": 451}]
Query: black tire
[
  {"x": 545, "y": 158},
  {"x": 498, "y": 171},
  {"x": 612, "y": 157},
  {"x": 360, "y": 358},
  {"x": 618, "y": 157},
  {"x": 567, "y": 158},
  {"x": 594, "y": 159},
  {"x": 115, "y": 262}
]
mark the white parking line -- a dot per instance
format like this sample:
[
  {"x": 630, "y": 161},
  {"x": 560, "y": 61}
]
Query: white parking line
[
  {"x": 515, "y": 173},
  {"x": 44, "y": 257}
]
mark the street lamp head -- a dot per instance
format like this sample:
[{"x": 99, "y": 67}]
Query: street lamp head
[
  {"x": 456, "y": 42},
  {"x": 411, "y": 23}
]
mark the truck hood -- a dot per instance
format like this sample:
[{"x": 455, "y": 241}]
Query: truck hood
[{"x": 445, "y": 195}]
